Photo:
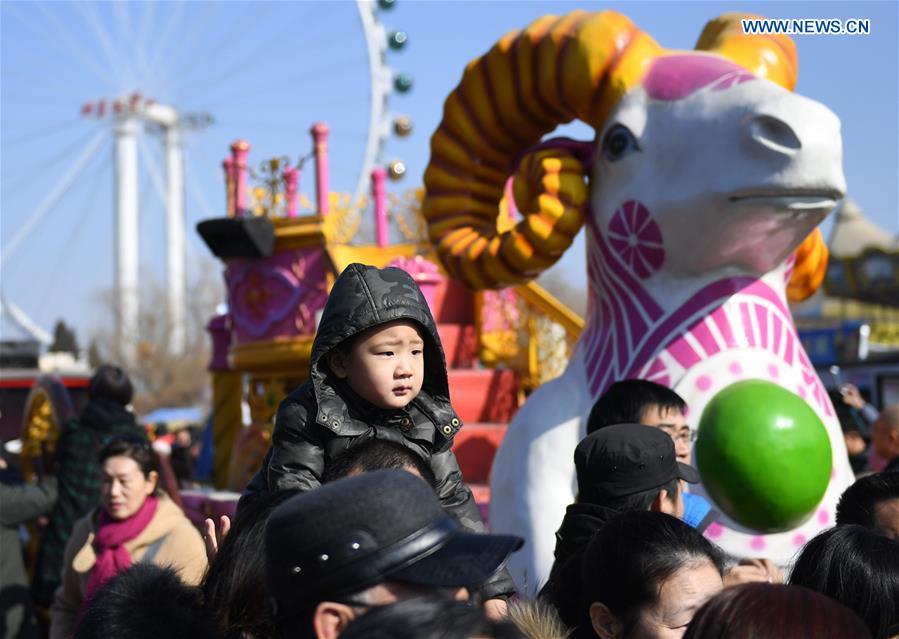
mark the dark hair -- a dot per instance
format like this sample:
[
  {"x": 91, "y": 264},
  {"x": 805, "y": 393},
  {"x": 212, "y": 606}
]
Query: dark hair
[
  {"x": 111, "y": 383},
  {"x": 858, "y": 502},
  {"x": 235, "y": 589},
  {"x": 859, "y": 568},
  {"x": 145, "y": 601},
  {"x": 625, "y": 564},
  {"x": 137, "y": 448},
  {"x": 774, "y": 611},
  {"x": 638, "y": 501},
  {"x": 422, "y": 618},
  {"x": 625, "y": 401},
  {"x": 376, "y": 454}
]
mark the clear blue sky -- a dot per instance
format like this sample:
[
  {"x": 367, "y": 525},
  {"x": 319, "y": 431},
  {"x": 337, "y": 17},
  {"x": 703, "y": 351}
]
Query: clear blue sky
[{"x": 266, "y": 71}]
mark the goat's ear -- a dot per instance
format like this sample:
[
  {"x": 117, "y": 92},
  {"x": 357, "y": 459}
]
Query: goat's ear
[{"x": 809, "y": 267}]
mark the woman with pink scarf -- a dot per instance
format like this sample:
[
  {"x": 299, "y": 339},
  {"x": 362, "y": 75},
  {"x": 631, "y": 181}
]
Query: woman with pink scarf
[{"x": 134, "y": 523}]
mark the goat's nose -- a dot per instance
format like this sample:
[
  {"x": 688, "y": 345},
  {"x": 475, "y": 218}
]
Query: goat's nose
[
  {"x": 772, "y": 133},
  {"x": 796, "y": 137}
]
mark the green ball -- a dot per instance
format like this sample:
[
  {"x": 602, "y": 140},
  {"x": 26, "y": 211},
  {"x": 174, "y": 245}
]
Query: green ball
[{"x": 764, "y": 455}]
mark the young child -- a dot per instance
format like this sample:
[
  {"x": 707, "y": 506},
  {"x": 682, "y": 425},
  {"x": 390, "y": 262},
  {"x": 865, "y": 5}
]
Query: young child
[{"x": 377, "y": 371}]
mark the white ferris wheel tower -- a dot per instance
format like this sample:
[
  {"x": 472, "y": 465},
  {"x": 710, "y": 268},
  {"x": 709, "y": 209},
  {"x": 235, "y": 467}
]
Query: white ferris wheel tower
[{"x": 127, "y": 117}]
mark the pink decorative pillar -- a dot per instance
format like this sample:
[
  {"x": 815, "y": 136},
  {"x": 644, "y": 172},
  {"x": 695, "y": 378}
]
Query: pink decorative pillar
[
  {"x": 228, "y": 166},
  {"x": 219, "y": 328},
  {"x": 291, "y": 178},
  {"x": 239, "y": 151},
  {"x": 379, "y": 195},
  {"x": 320, "y": 133}
]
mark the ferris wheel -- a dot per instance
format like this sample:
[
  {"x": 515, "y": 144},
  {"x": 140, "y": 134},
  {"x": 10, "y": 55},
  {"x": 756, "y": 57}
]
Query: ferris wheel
[
  {"x": 382, "y": 79},
  {"x": 262, "y": 71}
]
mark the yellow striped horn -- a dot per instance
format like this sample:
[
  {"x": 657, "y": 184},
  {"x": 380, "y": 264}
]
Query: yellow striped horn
[
  {"x": 555, "y": 70},
  {"x": 772, "y": 57}
]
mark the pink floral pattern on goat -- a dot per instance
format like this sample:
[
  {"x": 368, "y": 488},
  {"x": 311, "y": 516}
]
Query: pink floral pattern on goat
[{"x": 636, "y": 238}]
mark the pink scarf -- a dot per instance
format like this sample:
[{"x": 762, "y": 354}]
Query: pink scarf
[{"x": 112, "y": 557}]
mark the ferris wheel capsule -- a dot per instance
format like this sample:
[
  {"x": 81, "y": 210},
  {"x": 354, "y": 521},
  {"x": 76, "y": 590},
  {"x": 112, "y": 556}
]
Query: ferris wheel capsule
[
  {"x": 402, "y": 126},
  {"x": 402, "y": 82},
  {"x": 396, "y": 170},
  {"x": 397, "y": 40}
]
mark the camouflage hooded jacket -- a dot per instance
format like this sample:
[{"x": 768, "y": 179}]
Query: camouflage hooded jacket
[{"x": 324, "y": 417}]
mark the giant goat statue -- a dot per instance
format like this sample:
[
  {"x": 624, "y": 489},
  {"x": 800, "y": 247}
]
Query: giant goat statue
[{"x": 701, "y": 196}]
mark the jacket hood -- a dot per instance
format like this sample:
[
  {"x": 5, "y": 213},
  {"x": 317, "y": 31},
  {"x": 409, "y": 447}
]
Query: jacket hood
[
  {"x": 581, "y": 521},
  {"x": 364, "y": 297},
  {"x": 146, "y": 601},
  {"x": 103, "y": 414}
]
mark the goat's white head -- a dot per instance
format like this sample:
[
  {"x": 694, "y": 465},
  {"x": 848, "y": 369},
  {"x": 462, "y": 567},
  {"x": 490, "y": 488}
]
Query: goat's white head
[
  {"x": 731, "y": 165},
  {"x": 711, "y": 159}
]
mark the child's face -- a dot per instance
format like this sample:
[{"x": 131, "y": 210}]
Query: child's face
[{"x": 385, "y": 365}]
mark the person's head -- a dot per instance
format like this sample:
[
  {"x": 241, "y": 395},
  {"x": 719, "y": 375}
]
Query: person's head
[
  {"x": 369, "y": 540},
  {"x": 145, "y": 601},
  {"x": 631, "y": 467},
  {"x": 774, "y": 611},
  {"x": 422, "y": 618},
  {"x": 885, "y": 433},
  {"x": 857, "y": 567},
  {"x": 378, "y": 338},
  {"x": 384, "y": 364},
  {"x": 872, "y": 502},
  {"x": 234, "y": 588},
  {"x": 130, "y": 475},
  {"x": 112, "y": 384},
  {"x": 377, "y": 454},
  {"x": 644, "y": 575},
  {"x": 183, "y": 438},
  {"x": 639, "y": 401}
]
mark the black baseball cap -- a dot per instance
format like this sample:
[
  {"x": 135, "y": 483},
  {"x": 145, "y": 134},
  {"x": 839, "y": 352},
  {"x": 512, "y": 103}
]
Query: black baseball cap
[
  {"x": 625, "y": 459},
  {"x": 384, "y": 525}
]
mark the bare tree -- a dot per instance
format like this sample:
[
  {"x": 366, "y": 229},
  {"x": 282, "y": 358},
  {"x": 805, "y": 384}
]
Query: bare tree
[{"x": 161, "y": 377}]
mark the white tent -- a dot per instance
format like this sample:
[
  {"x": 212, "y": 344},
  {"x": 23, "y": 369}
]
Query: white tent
[{"x": 853, "y": 233}]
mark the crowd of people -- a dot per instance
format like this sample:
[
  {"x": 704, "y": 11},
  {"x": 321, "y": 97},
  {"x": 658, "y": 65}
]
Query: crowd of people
[{"x": 359, "y": 523}]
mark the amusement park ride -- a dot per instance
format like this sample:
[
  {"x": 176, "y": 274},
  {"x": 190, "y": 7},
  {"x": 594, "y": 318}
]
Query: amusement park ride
[{"x": 687, "y": 287}]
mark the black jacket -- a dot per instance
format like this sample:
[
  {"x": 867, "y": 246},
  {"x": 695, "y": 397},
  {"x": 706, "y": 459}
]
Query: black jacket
[
  {"x": 581, "y": 522},
  {"x": 324, "y": 417},
  {"x": 19, "y": 503}
]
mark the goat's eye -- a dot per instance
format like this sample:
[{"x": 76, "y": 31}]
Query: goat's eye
[{"x": 619, "y": 141}]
